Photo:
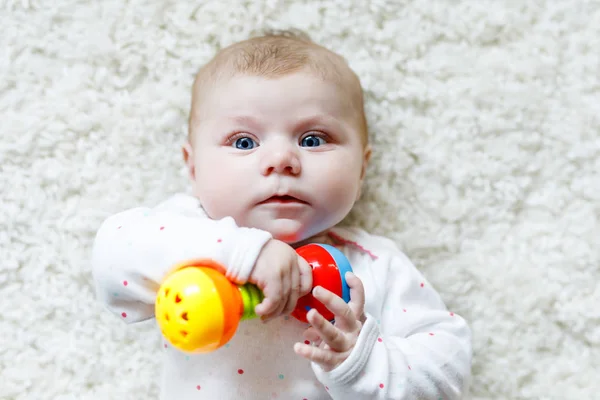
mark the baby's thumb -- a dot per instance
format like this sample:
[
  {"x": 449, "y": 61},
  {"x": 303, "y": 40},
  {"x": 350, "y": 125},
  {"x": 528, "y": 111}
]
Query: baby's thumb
[{"x": 306, "y": 278}]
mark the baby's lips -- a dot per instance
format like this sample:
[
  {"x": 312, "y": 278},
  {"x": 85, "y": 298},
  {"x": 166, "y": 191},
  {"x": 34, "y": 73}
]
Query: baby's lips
[{"x": 283, "y": 199}]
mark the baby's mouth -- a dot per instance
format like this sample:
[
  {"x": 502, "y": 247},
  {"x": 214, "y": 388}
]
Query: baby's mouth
[{"x": 286, "y": 199}]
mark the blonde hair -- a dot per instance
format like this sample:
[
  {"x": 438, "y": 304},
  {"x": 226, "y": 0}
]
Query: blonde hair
[{"x": 278, "y": 53}]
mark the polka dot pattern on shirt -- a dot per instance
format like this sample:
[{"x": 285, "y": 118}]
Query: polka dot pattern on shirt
[{"x": 279, "y": 376}]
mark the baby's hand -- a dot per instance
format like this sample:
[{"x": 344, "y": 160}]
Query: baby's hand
[
  {"x": 334, "y": 341},
  {"x": 283, "y": 276}
]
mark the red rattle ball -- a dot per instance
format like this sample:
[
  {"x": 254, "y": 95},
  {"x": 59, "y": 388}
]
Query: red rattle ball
[{"x": 329, "y": 267}]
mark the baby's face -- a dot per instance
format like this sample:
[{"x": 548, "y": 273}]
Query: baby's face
[{"x": 283, "y": 155}]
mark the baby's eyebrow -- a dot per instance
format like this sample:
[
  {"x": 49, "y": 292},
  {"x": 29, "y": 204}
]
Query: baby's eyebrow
[
  {"x": 246, "y": 120},
  {"x": 319, "y": 119},
  {"x": 300, "y": 123}
]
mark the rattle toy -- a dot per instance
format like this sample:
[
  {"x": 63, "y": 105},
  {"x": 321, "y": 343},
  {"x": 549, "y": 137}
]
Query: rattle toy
[{"x": 198, "y": 309}]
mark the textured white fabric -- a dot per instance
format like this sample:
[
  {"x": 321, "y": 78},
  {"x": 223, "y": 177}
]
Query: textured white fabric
[
  {"x": 410, "y": 347},
  {"x": 485, "y": 123},
  {"x": 138, "y": 235}
]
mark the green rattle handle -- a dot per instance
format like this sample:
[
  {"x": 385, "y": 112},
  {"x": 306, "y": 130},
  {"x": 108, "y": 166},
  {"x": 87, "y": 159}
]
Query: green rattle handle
[{"x": 251, "y": 297}]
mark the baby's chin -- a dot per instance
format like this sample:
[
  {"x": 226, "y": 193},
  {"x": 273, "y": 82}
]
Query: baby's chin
[{"x": 287, "y": 230}]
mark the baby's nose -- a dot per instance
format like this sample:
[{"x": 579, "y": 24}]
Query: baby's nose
[{"x": 281, "y": 161}]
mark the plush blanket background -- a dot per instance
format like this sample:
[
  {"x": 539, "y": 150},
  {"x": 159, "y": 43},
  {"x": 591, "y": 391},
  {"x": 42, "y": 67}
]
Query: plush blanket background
[{"x": 485, "y": 120}]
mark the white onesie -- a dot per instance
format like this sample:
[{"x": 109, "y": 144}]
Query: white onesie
[{"x": 410, "y": 347}]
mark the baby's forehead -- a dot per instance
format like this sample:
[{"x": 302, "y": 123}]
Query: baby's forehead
[
  {"x": 244, "y": 90},
  {"x": 301, "y": 95}
]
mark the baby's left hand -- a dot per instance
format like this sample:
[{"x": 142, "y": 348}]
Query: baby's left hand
[{"x": 334, "y": 341}]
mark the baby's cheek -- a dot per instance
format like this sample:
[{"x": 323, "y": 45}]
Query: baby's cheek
[
  {"x": 338, "y": 189},
  {"x": 217, "y": 200},
  {"x": 213, "y": 190}
]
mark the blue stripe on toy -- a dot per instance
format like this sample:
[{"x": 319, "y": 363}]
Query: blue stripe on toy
[{"x": 343, "y": 266}]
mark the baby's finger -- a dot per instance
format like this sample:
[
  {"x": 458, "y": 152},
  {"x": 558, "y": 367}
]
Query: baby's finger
[
  {"x": 265, "y": 307},
  {"x": 286, "y": 286},
  {"x": 271, "y": 302},
  {"x": 306, "y": 278},
  {"x": 357, "y": 296},
  {"x": 312, "y": 335},
  {"x": 269, "y": 316},
  {"x": 325, "y": 358},
  {"x": 329, "y": 334},
  {"x": 345, "y": 319},
  {"x": 292, "y": 299}
]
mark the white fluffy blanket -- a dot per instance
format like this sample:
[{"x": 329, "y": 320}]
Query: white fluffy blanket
[{"x": 485, "y": 119}]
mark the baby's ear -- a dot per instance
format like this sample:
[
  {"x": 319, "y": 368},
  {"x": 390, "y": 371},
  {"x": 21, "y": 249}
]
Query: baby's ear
[
  {"x": 188, "y": 158},
  {"x": 366, "y": 158},
  {"x": 363, "y": 171}
]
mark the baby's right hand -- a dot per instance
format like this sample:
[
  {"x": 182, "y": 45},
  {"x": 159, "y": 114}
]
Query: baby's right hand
[{"x": 283, "y": 276}]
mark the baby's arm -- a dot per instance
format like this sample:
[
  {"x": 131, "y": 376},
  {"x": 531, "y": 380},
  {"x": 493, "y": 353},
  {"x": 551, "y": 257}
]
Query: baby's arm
[
  {"x": 417, "y": 350},
  {"x": 135, "y": 249}
]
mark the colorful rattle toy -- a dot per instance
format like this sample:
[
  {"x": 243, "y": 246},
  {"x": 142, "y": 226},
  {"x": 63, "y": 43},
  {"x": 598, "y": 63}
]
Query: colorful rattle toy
[{"x": 198, "y": 309}]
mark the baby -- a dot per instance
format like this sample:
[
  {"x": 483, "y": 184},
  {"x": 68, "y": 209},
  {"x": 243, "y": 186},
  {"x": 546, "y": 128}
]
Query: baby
[{"x": 277, "y": 153}]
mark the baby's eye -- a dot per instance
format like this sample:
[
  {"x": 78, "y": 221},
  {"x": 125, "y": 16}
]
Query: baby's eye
[
  {"x": 312, "y": 141},
  {"x": 245, "y": 143}
]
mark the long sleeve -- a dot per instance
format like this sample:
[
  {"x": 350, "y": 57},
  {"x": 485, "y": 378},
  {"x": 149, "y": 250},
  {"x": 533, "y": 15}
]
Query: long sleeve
[
  {"x": 410, "y": 347},
  {"x": 135, "y": 249}
]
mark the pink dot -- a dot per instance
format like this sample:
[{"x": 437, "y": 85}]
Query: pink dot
[
  {"x": 430, "y": 334},
  {"x": 198, "y": 387},
  {"x": 240, "y": 371},
  {"x": 409, "y": 368},
  {"x": 306, "y": 342},
  {"x": 326, "y": 387},
  {"x": 125, "y": 283},
  {"x": 404, "y": 309},
  {"x": 165, "y": 345},
  {"x": 120, "y": 226},
  {"x": 379, "y": 340},
  {"x": 219, "y": 240},
  {"x": 124, "y": 314},
  {"x": 422, "y": 284},
  {"x": 162, "y": 228},
  {"x": 381, "y": 385},
  {"x": 452, "y": 314}
]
